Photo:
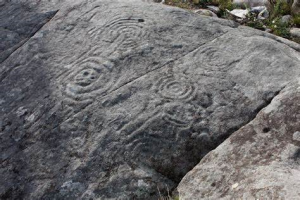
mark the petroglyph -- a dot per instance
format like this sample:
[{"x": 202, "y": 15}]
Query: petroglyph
[
  {"x": 89, "y": 79},
  {"x": 125, "y": 33},
  {"x": 176, "y": 88}
]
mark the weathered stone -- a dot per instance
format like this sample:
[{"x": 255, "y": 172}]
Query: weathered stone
[
  {"x": 295, "y": 32},
  {"x": 120, "y": 99},
  {"x": 264, "y": 14},
  {"x": 260, "y": 161},
  {"x": 258, "y": 9},
  {"x": 286, "y": 19},
  {"x": 214, "y": 9},
  {"x": 205, "y": 12},
  {"x": 239, "y": 13},
  {"x": 296, "y": 7},
  {"x": 17, "y": 25},
  {"x": 251, "y": 3}
]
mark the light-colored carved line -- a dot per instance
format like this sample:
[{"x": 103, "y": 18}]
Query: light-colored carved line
[{"x": 163, "y": 65}]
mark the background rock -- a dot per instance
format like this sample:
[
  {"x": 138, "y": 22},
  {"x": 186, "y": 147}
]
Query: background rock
[
  {"x": 260, "y": 161},
  {"x": 214, "y": 9},
  {"x": 295, "y": 32},
  {"x": 296, "y": 7},
  {"x": 119, "y": 100},
  {"x": 251, "y": 3},
  {"x": 286, "y": 19}
]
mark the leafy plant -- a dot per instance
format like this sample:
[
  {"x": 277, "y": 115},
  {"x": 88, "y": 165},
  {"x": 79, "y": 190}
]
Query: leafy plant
[
  {"x": 226, "y": 4},
  {"x": 279, "y": 28},
  {"x": 253, "y": 22},
  {"x": 296, "y": 20},
  {"x": 280, "y": 8}
]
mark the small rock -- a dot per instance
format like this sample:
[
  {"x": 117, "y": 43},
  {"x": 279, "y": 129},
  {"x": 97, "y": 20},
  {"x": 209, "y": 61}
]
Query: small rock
[
  {"x": 296, "y": 7},
  {"x": 286, "y": 19},
  {"x": 206, "y": 13},
  {"x": 258, "y": 9},
  {"x": 268, "y": 30},
  {"x": 239, "y": 13},
  {"x": 295, "y": 32},
  {"x": 2, "y": 2},
  {"x": 250, "y": 3},
  {"x": 296, "y": 136},
  {"x": 234, "y": 186},
  {"x": 264, "y": 14},
  {"x": 214, "y": 9}
]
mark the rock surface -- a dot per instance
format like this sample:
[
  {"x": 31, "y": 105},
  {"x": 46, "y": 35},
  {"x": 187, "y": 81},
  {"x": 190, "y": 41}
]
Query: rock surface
[
  {"x": 260, "y": 161},
  {"x": 295, "y": 32},
  {"x": 239, "y": 13},
  {"x": 19, "y": 23},
  {"x": 120, "y": 99},
  {"x": 286, "y": 19},
  {"x": 296, "y": 7},
  {"x": 251, "y": 3}
]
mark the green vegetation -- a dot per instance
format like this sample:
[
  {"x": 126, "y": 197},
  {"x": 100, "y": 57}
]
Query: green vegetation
[
  {"x": 273, "y": 23},
  {"x": 254, "y": 23},
  {"x": 223, "y": 4},
  {"x": 226, "y": 4},
  {"x": 296, "y": 21},
  {"x": 280, "y": 8},
  {"x": 280, "y": 29}
]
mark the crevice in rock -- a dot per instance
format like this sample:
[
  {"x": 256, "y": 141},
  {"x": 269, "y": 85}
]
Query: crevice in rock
[
  {"x": 22, "y": 43},
  {"x": 224, "y": 137},
  {"x": 266, "y": 103},
  {"x": 284, "y": 41},
  {"x": 164, "y": 65},
  {"x": 281, "y": 40}
]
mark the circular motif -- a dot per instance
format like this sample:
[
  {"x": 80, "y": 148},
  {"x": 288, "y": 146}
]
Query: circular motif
[
  {"x": 179, "y": 114},
  {"x": 126, "y": 32},
  {"x": 90, "y": 78},
  {"x": 181, "y": 17},
  {"x": 181, "y": 20},
  {"x": 176, "y": 89},
  {"x": 216, "y": 58}
]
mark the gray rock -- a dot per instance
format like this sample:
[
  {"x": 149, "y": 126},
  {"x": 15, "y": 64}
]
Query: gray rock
[
  {"x": 295, "y": 32},
  {"x": 268, "y": 30},
  {"x": 2, "y": 3},
  {"x": 214, "y": 9},
  {"x": 120, "y": 99},
  {"x": 260, "y": 161},
  {"x": 251, "y": 3},
  {"x": 258, "y": 9},
  {"x": 286, "y": 19},
  {"x": 17, "y": 25},
  {"x": 264, "y": 14},
  {"x": 296, "y": 7},
  {"x": 239, "y": 13},
  {"x": 205, "y": 12}
]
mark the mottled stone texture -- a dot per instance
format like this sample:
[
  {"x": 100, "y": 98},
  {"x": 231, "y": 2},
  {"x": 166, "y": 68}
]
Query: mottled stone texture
[
  {"x": 120, "y": 99},
  {"x": 18, "y": 23},
  {"x": 260, "y": 161}
]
